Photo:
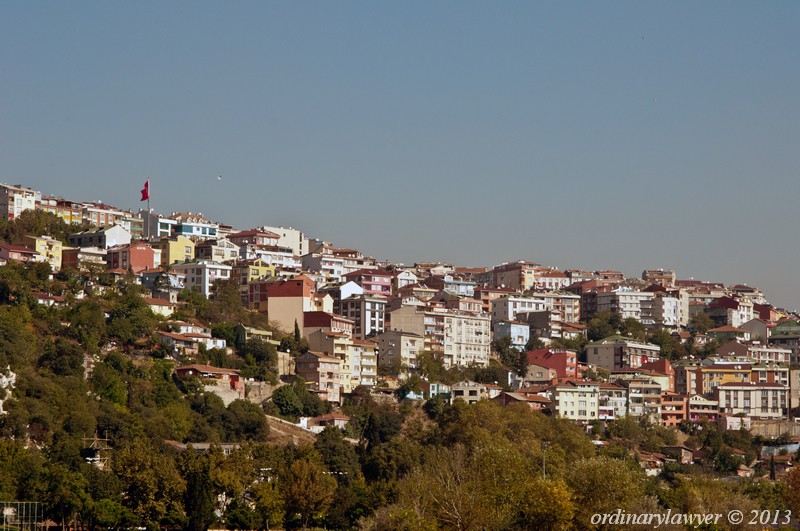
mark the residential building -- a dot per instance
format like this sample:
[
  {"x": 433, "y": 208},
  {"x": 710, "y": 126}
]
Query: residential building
[
  {"x": 700, "y": 408},
  {"x": 612, "y": 401},
  {"x": 729, "y": 333},
  {"x": 69, "y": 211},
  {"x": 321, "y": 374},
  {"x": 535, "y": 402},
  {"x": 398, "y": 344},
  {"x": 756, "y": 351},
  {"x": 136, "y": 257},
  {"x": 288, "y": 299},
  {"x": 365, "y": 362},
  {"x": 329, "y": 266},
  {"x": 539, "y": 374},
  {"x": 374, "y": 281},
  {"x": 338, "y": 292},
  {"x": 194, "y": 226},
  {"x": 326, "y": 321},
  {"x": 659, "y": 276},
  {"x": 617, "y": 352},
  {"x": 624, "y": 301},
  {"x": 219, "y": 249},
  {"x": 18, "y": 253},
  {"x": 576, "y": 400},
  {"x": 464, "y": 288},
  {"x": 402, "y": 278},
  {"x": 461, "y": 338},
  {"x": 245, "y": 333},
  {"x": 102, "y": 238},
  {"x": 519, "y": 275},
  {"x": 661, "y": 311},
  {"x": 367, "y": 312},
  {"x": 101, "y": 215},
  {"x": 551, "y": 280},
  {"x": 175, "y": 249},
  {"x": 468, "y": 391},
  {"x": 202, "y": 274},
  {"x": 156, "y": 225},
  {"x": 507, "y": 308},
  {"x": 729, "y": 311},
  {"x": 542, "y": 323},
  {"x": 353, "y": 260},
  {"x": 486, "y": 294},
  {"x": 518, "y": 331},
  {"x": 48, "y": 248},
  {"x": 789, "y": 342},
  {"x": 291, "y": 238},
  {"x": 673, "y": 409},
  {"x": 164, "y": 284},
  {"x": 568, "y": 304},
  {"x": 756, "y": 400},
  {"x": 15, "y": 199},
  {"x": 81, "y": 258},
  {"x": 644, "y": 398},
  {"x": 245, "y": 272},
  {"x": 182, "y": 347},
  {"x": 563, "y": 361},
  {"x": 254, "y": 237}
]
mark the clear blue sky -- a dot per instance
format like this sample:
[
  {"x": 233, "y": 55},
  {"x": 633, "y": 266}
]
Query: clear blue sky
[{"x": 583, "y": 135}]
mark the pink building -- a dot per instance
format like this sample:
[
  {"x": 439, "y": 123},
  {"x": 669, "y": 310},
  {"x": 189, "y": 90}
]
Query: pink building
[{"x": 374, "y": 281}]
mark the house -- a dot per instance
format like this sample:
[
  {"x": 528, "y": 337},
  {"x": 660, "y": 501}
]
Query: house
[
  {"x": 464, "y": 288},
  {"x": 161, "y": 307},
  {"x": 468, "y": 391},
  {"x": 163, "y": 284},
  {"x": 329, "y": 322},
  {"x": 104, "y": 238},
  {"x": 329, "y": 266},
  {"x": 318, "y": 424},
  {"x": 321, "y": 374},
  {"x": 100, "y": 215},
  {"x": 519, "y": 275},
  {"x": 729, "y": 333},
  {"x": 136, "y": 257},
  {"x": 287, "y": 300},
  {"x": 18, "y": 253},
  {"x": 730, "y": 312},
  {"x": 402, "y": 278},
  {"x": 202, "y": 274},
  {"x": 563, "y": 361},
  {"x": 535, "y": 402},
  {"x": 431, "y": 389},
  {"x": 374, "y": 281},
  {"x": 181, "y": 345},
  {"x": 207, "y": 371},
  {"x": 217, "y": 249},
  {"x": 193, "y": 226},
  {"x": 612, "y": 401},
  {"x": 69, "y": 211},
  {"x": 518, "y": 331},
  {"x": 617, "y": 352},
  {"x": 50, "y": 300},
  {"x": 49, "y": 249},
  {"x": 175, "y": 249},
  {"x": 673, "y": 409},
  {"x": 367, "y": 312},
  {"x": 255, "y": 237},
  {"x": 539, "y": 374},
  {"x": 681, "y": 454},
  {"x": 81, "y": 258},
  {"x": 644, "y": 398},
  {"x": 244, "y": 333}
]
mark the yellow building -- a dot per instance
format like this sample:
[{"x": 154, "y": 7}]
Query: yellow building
[
  {"x": 177, "y": 249},
  {"x": 246, "y": 271},
  {"x": 49, "y": 248},
  {"x": 722, "y": 373}
]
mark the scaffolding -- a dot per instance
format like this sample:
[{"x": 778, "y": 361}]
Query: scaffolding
[
  {"x": 21, "y": 516},
  {"x": 96, "y": 451}
]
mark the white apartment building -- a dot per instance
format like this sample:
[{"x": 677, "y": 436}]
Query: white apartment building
[
  {"x": 624, "y": 301},
  {"x": 576, "y": 400},
  {"x": 290, "y": 238},
  {"x": 330, "y": 266},
  {"x": 15, "y": 199},
  {"x": 367, "y": 312},
  {"x": 506, "y": 308},
  {"x": 203, "y": 273},
  {"x": 661, "y": 312}
]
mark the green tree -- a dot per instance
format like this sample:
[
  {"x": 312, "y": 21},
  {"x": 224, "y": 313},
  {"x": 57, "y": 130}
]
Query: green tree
[
  {"x": 153, "y": 487},
  {"x": 534, "y": 343},
  {"x": 338, "y": 455},
  {"x": 306, "y": 490},
  {"x": 603, "y": 325},
  {"x": 270, "y": 506},
  {"x": 701, "y": 322},
  {"x": 287, "y": 402},
  {"x": 199, "y": 497},
  {"x": 632, "y": 328},
  {"x": 602, "y": 485}
]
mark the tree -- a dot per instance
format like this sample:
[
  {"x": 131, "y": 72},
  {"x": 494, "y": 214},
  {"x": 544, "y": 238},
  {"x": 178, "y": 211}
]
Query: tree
[
  {"x": 522, "y": 364},
  {"x": 199, "y": 499},
  {"x": 792, "y": 492},
  {"x": 269, "y": 502},
  {"x": 338, "y": 455},
  {"x": 603, "y": 325},
  {"x": 545, "y": 506},
  {"x": 632, "y": 328},
  {"x": 534, "y": 343},
  {"x": 602, "y": 485},
  {"x": 287, "y": 402},
  {"x": 152, "y": 484},
  {"x": 408, "y": 386},
  {"x": 664, "y": 339},
  {"x": 701, "y": 322},
  {"x": 306, "y": 490}
]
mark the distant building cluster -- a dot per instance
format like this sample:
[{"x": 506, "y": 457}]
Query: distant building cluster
[{"x": 359, "y": 313}]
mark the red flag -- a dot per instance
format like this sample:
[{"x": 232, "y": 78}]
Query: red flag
[{"x": 146, "y": 191}]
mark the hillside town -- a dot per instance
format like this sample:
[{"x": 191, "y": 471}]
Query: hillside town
[{"x": 305, "y": 329}]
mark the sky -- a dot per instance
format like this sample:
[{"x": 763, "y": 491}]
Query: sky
[{"x": 581, "y": 135}]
